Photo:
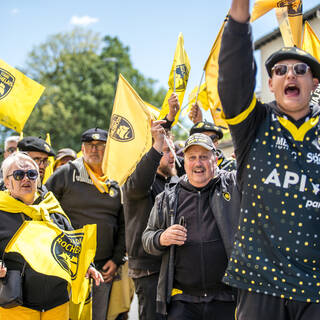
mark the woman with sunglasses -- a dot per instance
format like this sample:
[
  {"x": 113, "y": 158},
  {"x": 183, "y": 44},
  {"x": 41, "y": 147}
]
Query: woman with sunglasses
[{"x": 44, "y": 297}]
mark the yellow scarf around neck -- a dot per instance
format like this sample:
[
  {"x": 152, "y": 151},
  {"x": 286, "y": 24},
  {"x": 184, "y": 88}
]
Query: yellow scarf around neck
[
  {"x": 37, "y": 212},
  {"x": 98, "y": 181}
]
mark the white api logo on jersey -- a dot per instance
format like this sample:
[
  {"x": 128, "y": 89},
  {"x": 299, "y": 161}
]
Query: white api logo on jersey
[
  {"x": 290, "y": 179},
  {"x": 282, "y": 144}
]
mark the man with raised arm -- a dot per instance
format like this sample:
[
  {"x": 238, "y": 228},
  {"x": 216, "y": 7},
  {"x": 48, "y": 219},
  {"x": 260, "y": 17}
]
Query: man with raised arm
[{"x": 275, "y": 259}]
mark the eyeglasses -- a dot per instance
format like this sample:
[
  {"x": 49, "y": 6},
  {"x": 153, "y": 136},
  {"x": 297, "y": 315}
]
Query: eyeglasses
[
  {"x": 11, "y": 149},
  {"x": 299, "y": 69},
  {"x": 98, "y": 146},
  {"x": 19, "y": 174},
  {"x": 40, "y": 161}
]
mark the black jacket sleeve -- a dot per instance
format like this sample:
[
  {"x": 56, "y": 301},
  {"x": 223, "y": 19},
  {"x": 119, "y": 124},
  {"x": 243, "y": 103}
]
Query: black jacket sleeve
[
  {"x": 119, "y": 250},
  {"x": 236, "y": 85},
  {"x": 56, "y": 182},
  {"x": 139, "y": 183}
]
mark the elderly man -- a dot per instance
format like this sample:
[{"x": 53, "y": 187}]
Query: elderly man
[
  {"x": 191, "y": 226},
  {"x": 275, "y": 261},
  {"x": 10, "y": 145},
  {"x": 82, "y": 192},
  {"x": 39, "y": 151},
  {"x": 155, "y": 169}
]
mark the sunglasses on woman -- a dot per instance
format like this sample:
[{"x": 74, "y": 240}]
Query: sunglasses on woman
[
  {"x": 299, "y": 69},
  {"x": 19, "y": 174}
]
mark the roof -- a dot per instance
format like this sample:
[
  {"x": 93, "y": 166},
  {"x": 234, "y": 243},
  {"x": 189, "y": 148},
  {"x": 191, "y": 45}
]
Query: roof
[{"x": 309, "y": 15}]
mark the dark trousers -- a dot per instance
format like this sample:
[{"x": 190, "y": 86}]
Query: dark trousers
[
  {"x": 100, "y": 300},
  {"x": 146, "y": 290},
  {"x": 255, "y": 306},
  {"x": 214, "y": 310}
]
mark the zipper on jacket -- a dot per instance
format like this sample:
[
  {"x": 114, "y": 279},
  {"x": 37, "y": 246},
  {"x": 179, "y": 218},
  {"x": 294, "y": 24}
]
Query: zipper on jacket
[{"x": 201, "y": 247}]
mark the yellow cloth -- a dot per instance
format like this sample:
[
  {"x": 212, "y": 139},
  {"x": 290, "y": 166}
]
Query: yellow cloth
[
  {"x": 121, "y": 293},
  {"x": 83, "y": 310},
  {"x": 18, "y": 96},
  {"x": 22, "y": 313},
  {"x": 129, "y": 134},
  {"x": 178, "y": 78},
  {"x": 212, "y": 69},
  {"x": 49, "y": 169},
  {"x": 311, "y": 42},
  {"x": 295, "y": 20},
  {"x": 98, "y": 181},
  {"x": 38, "y": 212}
]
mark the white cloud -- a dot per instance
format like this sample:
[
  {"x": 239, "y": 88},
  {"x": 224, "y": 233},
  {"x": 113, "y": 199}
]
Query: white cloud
[
  {"x": 83, "y": 21},
  {"x": 15, "y": 11}
]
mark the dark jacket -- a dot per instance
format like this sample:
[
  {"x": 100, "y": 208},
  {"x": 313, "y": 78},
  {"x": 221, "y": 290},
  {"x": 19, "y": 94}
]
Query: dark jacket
[
  {"x": 40, "y": 292},
  {"x": 224, "y": 204},
  {"x": 139, "y": 193},
  {"x": 85, "y": 204}
]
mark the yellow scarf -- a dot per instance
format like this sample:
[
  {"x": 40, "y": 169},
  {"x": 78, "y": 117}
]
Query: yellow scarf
[
  {"x": 98, "y": 181},
  {"x": 37, "y": 212}
]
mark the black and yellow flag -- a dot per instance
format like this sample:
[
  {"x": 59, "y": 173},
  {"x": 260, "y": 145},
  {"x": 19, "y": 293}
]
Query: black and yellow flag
[
  {"x": 178, "y": 78},
  {"x": 18, "y": 96},
  {"x": 60, "y": 253},
  {"x": 129, "y": 133},
  {"x": 212, "y": 70}
]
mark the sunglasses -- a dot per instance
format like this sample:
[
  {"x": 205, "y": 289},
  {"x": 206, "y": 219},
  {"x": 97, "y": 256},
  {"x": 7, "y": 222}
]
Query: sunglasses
[
  {"x": 98, "y": 146},
  {"x": 299, "y": 69},
  {"x": 19, "y": 174}
]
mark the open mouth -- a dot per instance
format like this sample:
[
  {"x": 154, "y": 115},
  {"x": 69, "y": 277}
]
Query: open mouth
[
  {"x": 291, "y": 90},
  {"x": 198, "y": 170}
]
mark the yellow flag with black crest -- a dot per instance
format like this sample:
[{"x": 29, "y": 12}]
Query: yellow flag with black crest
[
  {"x": 129, "y": 133},
  {"x": 178, "y": 78},
  {"x": 18, "y": 96}
]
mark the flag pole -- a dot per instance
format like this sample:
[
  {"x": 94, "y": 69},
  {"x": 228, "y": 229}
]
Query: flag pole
[
  {"x": 172, "y": 151},
  {"x": 199, "y": 86}
]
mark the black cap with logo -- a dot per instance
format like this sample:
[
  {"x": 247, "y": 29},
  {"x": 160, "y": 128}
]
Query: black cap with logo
[
  {"x": 204, "y": 126},
  {"x": 199, "y": 139},
  {"x": 35, "y": 144},
  {"x": 94, "y": 134}
]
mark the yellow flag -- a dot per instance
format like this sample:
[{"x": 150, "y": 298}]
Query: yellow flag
[
  {"x": 56, "y": 252},
  {"x": 295, "y": 20},
  {"x": 83, "y": 310},
  {"x": 212, "y": 69},
  {"x": 18, "y": 96},
  {"x": 153, "y": 110},
  {"x": 284, "y": 26},
  {"x": 202, "y": 101},
  {"x": 129, "y": 133},
  {"x": 311, "y": 42},
  {"x": 49, "y": 168},
  {"x": 261, "y": 7},
  {"x": 178, "y": 78}
]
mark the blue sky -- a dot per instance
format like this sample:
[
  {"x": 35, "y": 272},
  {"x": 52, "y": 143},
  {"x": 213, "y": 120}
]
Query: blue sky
[{"x": 149, "y": 28}]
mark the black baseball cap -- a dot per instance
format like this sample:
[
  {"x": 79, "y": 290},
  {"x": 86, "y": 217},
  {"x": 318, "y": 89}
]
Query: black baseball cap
[
  {"x": 295, "y": 53},
  {"x": 199, "y": 139},
  {"x": 204, "y": 126},
  {"x": 94, "y": 134},
  {"x": 35, "y": 144}
]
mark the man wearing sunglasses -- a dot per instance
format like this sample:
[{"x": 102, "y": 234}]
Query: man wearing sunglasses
[
  {"x": 275, "y": 259},
  {"x": 82, "y": 192},
  {"x": 39, "y": 151}
]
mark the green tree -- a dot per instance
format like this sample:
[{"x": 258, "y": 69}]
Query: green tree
[{"x": 79, "y": 70}]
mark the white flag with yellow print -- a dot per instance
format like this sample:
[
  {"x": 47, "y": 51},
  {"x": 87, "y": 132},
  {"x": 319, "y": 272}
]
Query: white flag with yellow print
[{"x": 55, "y": 252}]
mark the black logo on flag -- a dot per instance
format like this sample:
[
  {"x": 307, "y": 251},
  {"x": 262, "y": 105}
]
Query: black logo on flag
[
  {"x": 120, "y": 129},
  {"x": 66, "y": 250},
  {"x": 6, "y": 82},
  {"x": 182, "y": 74}
]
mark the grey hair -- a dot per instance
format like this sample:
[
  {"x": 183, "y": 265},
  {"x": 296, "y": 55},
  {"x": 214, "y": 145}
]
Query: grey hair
[
  {"x": 17, "y": 157},
  {"x": 10, "y": 139}
]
